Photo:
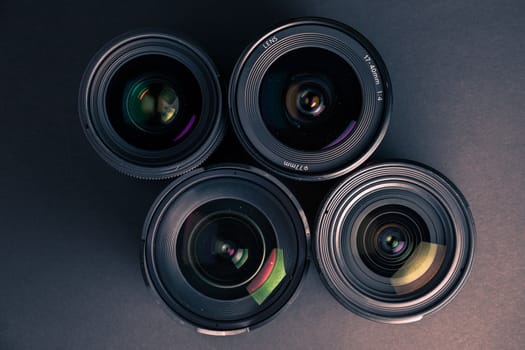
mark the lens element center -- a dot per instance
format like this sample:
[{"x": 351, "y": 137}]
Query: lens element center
[
  {"x": 392, "y": 241},
  {"x": 310, "y": 102},
  {"x": 152, "y": 104}
]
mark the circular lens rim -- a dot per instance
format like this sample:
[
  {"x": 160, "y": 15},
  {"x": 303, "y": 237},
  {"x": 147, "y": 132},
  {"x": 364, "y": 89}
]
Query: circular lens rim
[
  {"x": 348, "y": 290},
  {"x": 114, "y": 150},
  {"x": 292, "y": 163},
  {"x": 293, "y": 211}
]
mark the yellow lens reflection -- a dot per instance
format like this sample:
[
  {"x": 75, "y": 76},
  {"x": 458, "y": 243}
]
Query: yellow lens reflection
[{"x": 420, "y": 268}]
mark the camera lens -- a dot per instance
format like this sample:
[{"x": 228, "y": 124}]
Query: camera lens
[
  {"x": 150, "y": 105},
  {"x": 225, "y": 248},
  {"x": 394, "y": 242},
  {"x": 310, "y": 100}
]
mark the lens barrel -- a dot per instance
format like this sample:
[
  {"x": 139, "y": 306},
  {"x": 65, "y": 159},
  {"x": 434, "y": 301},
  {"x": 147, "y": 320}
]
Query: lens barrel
[
  {"x": 311, "y": 99},
  {"x": 150, "y": 105},
  {"x": 225, "y": 248},
  {"x": 394, "y": 241}
]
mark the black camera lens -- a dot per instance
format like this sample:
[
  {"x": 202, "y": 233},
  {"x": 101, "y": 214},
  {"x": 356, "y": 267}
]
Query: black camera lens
[
  {"x": 150, "y": 105},
  {"x": 394, "y": 242},
  {"x": 225, "y": 248},
  {"x": 311, "y": 100}
]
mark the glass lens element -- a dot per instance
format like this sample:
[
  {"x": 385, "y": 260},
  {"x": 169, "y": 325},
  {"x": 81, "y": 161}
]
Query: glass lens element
[
  {"x": 306, "y": 99},
  {"x": 394, "y": 242},
  {"x": 227, "y": 250},
  {"x": 152, "y": 104},
  {"x": 310, "y": 99},
  {"x": 310, "y": 102}
]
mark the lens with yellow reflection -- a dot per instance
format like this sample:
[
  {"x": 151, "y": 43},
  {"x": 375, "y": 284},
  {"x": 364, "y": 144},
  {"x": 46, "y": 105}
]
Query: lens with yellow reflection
[
  {"x": 394, "y": 241},
  {"x": 225, "y": 248}
]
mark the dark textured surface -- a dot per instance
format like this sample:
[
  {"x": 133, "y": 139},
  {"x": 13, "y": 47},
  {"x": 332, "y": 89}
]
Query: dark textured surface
[{"x": 70, "y": 225}]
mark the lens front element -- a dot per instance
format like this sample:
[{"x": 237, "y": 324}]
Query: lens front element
[
  {"x": 394, "y": 242},
  {"x": 315, "y": 103},
  {"x": 225, "y": 248},
  {"x": 150, "y": 105}
]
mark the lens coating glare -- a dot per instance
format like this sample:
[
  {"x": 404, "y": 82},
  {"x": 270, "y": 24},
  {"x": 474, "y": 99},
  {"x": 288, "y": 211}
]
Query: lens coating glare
[
  {"x": 154, "y": 102},
  {"x": 227, "y": 249},
  {"x": 306, "y": 99},
  {"x": 310, "y": 99},
  {"x": 221, "y": 246},
  {"x": 391, "y": 241}
]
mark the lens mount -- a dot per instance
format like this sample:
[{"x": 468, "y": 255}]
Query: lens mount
[
  {"x": 225, "y": 248},
  {"x": 150, "y": 105},
  {"x": 355, "y": 120},
  {"x": 394, "y": 242}
]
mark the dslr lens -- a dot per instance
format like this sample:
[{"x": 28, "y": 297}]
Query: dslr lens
[
  {"x": 394, "y": 242},
  {"x": 150, "y": 105},
  {"x": 225, "y": 248},
  {"x": 311, "y": 100}
]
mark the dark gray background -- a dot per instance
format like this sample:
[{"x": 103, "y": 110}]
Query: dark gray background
[{"x": 70, "y": 224}]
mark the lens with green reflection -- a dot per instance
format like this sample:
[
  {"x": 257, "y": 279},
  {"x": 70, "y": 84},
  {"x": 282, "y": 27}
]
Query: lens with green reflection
[
  {"x": 227, "y": 249},
  {"x": 152, "y": 103}
]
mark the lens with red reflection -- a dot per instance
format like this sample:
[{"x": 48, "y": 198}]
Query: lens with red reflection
[{"x": 225, "y": 248}]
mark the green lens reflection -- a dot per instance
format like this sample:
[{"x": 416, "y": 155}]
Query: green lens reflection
[
  {"x": 152, "y": 104},
  {"x": 270, "y": 276},
  {"x": 240, "y": 257}
]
